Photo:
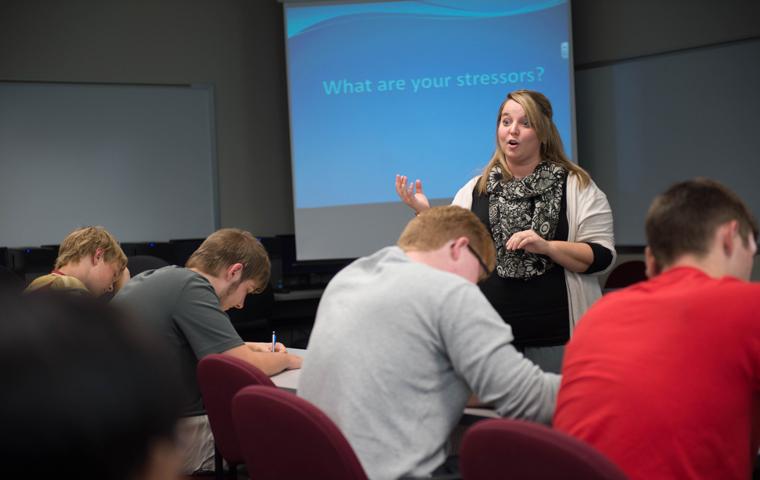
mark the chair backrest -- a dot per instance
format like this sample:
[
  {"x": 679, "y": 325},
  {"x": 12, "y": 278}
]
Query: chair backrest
[
  {"x": 517, "y": 449},
  {"x": 220, "y": 377},
  {"x": 284, "y": 436},
  {"x": 140, "y": 263},
  {"x": 10, "y": 281},
  {"x": 625, "y": 274},
  {"x": 31, "y": 262}
]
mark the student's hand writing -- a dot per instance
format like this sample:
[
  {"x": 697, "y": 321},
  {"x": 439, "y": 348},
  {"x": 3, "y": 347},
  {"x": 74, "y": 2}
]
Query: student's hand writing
[
  {"x": 294, "y": 361},
  {"x": 266, "y": 347},
  {"x": 411, "y": 194}
]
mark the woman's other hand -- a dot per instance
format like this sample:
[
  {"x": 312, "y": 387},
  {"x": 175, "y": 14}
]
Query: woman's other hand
[
  {"x": 529, "y": 241},
  {"x": 411, "y": 194}
]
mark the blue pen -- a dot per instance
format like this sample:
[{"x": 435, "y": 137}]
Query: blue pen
[{"x": 274, "y": 340}]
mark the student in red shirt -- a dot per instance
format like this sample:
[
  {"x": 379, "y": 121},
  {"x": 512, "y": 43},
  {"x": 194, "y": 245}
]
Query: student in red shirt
[{"x": 663, "y": 377}]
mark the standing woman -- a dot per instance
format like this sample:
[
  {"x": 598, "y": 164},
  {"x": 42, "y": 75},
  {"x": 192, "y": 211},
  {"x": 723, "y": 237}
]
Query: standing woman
[{"x": 552, "y": 227}]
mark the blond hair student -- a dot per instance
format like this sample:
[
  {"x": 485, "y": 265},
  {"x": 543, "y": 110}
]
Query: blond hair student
[
  {"x": 89, "y": 260},
  {"x": 404, "y": 336}
]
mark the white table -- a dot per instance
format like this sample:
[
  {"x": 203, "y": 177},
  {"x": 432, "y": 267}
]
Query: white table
[{"x": 288, "y": 380}]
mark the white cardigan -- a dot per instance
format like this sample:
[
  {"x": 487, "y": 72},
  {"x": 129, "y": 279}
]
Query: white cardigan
[{"x": 589, "y": 219}]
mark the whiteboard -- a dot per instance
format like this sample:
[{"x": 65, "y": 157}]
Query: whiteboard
[
  {"x": 646, "y": 123},
  {"x": 139, "y": 160}
]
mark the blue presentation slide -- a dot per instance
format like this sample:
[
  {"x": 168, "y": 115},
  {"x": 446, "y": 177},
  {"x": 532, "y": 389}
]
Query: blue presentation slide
[{"x": 413, "y": 87}]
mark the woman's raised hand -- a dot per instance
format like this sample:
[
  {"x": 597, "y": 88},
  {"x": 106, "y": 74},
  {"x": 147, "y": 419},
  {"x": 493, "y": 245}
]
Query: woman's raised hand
[{"x": 411, "y": 194}]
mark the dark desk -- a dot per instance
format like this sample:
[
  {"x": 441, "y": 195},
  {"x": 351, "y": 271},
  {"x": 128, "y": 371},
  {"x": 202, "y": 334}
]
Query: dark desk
[
  {"x": 293, "y": 315},
  {"x": 296, "y": 295},
  {"x": 290, "y": 314}
]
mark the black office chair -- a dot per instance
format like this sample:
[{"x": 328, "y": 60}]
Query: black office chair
[
  {"x": 31, "y": 262},
  {"x": 138, "y": 264},
  {"x": 141, "y": 263},
  {"x": 181, "y": 249},
  {"x": 10, "y": 281}
]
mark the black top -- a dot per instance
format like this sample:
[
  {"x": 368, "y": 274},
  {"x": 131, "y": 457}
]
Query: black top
[{"x": 536, "y": 308}]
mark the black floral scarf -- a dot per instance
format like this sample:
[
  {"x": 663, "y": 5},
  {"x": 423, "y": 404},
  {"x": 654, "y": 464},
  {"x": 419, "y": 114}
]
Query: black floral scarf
[{"x": 521, "y": 204}]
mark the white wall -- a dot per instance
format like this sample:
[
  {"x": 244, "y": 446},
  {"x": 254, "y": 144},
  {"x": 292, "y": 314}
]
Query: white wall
[
  {"x": 237, "y": 45},
  {"x": 613, "y": 30}
]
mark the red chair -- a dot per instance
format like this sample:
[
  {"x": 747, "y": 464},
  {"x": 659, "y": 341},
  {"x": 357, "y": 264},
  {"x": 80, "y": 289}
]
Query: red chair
[
  {"x": 220, "y": 377},
  {"x": 625, "y": 274},
  {"x": 503, "y": 448},
  {"x": 284, "y": 437}
]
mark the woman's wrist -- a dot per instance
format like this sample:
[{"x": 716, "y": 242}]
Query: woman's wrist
[
  {"x": 422, "y": 209},
  {"x": 551, "y": 249}
]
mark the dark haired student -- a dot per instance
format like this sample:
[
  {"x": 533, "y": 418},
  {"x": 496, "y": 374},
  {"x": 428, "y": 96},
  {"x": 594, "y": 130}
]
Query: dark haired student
[{"x": 663, "y": 377}]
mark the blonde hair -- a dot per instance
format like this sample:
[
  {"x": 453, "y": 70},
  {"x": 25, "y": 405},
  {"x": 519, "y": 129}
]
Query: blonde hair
[
  {"x": 85, "y": 242},
  {"x": 539, "y": 111},
  {"x": 229, "y": 246},
  {"x": 431, "y": 229}
]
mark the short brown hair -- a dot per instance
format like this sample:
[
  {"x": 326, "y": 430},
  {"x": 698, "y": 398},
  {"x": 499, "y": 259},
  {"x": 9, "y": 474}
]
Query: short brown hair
[
  {"x": 683, "y": 219},
  {"x": 432, "y": 228},
  {"x": 229, "y": 246},
  {"x": 84, "y": 242}
]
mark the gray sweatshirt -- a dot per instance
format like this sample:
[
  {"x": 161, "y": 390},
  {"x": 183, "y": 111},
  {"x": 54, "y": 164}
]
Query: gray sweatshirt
[{"x": 396, "y": 349}]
